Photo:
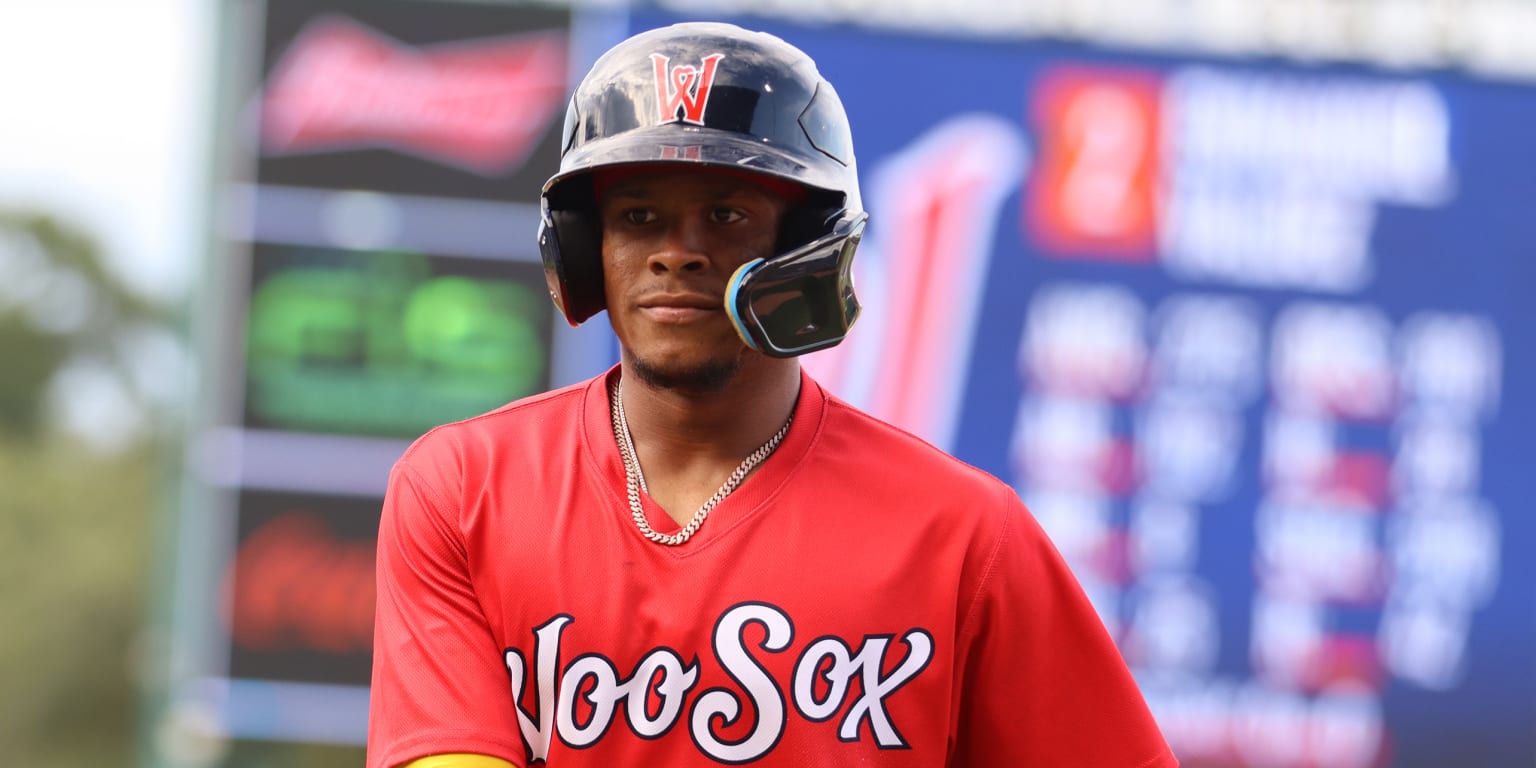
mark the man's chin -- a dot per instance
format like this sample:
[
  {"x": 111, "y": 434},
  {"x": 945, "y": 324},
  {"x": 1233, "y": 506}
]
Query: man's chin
[{"x": 701, "y": 377}]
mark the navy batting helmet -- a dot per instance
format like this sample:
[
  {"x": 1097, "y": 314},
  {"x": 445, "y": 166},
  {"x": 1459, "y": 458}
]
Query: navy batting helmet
[{"x": 716, "y": 95}]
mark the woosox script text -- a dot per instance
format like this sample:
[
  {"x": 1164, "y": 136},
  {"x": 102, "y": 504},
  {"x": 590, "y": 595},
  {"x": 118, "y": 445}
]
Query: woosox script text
[{"x": 828, "y": 659}]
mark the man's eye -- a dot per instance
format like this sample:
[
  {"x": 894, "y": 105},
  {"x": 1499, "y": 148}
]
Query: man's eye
[
  {"x": 725, "y": 215},
  {"x": 638, "y": 216}
]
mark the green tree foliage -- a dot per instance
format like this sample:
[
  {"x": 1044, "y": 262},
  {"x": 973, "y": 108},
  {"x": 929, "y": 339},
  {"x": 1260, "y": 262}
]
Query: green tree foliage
[
  {"x": 276, "y": 755},
  {"x": 75, "y": 522},
  {"x": 79, "y": 526},
  {"x": 59, "y": 303},
  {"x": 74, "y": 537}
]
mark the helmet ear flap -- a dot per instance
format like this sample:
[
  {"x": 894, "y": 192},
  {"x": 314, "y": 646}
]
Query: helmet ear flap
[{"x": 570, "y": 243}]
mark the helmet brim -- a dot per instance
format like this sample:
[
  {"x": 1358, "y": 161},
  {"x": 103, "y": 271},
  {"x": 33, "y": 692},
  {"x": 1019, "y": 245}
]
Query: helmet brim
[{"x": 671, "y": 145}]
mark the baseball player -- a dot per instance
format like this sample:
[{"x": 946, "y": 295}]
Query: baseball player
[{"x": 701, "y": 557}]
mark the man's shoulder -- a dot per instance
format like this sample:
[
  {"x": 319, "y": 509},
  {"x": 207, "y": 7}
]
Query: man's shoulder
[{"x": 872, "y": 441}]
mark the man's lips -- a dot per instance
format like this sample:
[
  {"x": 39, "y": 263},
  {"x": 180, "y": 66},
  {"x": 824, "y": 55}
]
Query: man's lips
[{"x": 679, "y": 307}]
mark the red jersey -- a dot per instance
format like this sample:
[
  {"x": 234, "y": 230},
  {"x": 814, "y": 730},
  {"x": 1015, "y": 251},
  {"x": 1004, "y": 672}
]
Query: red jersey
[{"x": 862, "y": 599}]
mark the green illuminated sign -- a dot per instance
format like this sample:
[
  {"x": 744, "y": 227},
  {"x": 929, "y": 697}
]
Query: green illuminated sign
[{"x": 383, "y": 345}]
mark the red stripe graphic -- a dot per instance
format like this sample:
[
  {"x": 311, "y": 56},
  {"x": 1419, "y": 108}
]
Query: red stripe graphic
[{"x": 935, "y": 210}]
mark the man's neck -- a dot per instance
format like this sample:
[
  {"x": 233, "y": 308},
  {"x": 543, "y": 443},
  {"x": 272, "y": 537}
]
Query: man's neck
[
  {"x": 689, "y": 442},
  {"x": 732, "y": 420}
]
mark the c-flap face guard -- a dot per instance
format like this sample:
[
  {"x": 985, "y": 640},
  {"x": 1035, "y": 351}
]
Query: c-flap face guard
[{"x": 801, "y": 301}]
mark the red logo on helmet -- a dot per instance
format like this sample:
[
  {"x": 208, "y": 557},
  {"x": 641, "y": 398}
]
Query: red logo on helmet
[
  {"x": 684, "y": 88},
  {"x": 690, "y": 152}
]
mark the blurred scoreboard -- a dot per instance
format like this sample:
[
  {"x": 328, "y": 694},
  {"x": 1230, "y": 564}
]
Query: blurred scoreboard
[{"x": 1248, "y": 337}]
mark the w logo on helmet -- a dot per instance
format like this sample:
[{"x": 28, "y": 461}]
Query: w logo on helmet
[{"x": 684, "y": 88}]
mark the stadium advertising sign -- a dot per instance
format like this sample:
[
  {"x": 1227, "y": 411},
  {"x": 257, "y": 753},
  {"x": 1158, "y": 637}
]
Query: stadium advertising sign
[
  {"x": 299, "y": 588},
  {"x": 389, "y": 343},
  {"x": 454, "y": 100}
]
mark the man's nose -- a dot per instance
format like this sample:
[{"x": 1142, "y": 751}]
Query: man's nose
[{"x": 682, "y": 250}]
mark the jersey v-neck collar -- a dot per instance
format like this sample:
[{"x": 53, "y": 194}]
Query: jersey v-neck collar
[{"x": 746, "y": 502}]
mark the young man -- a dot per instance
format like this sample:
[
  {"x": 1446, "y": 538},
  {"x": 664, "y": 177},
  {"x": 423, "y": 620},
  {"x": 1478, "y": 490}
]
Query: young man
[{"x": 701, "y": 557}]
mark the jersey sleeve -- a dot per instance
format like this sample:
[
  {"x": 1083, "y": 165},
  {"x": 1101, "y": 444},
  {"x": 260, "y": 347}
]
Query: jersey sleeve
[
  {"x": 1041, "y": 682},
  {"x": 439, "y": 685}
]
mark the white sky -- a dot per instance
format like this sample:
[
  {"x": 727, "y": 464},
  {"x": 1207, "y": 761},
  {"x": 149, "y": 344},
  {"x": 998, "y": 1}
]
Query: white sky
[{"x": 105, "y": 121}]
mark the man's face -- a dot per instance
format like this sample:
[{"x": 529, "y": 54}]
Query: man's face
[{"x": 671, "y": 241}]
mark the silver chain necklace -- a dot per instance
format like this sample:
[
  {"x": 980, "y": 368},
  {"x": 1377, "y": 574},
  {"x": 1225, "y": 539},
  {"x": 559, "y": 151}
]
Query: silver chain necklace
[{"x": 634, "y": 479}]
